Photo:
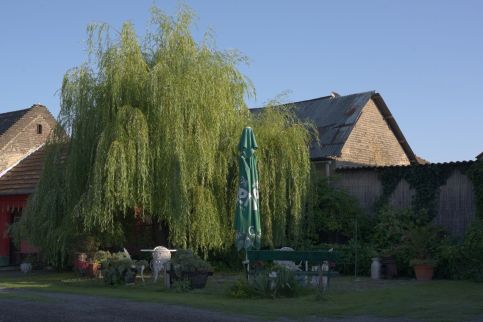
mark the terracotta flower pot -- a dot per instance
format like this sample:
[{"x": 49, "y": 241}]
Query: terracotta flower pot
[{"x": 424, "y": 272}]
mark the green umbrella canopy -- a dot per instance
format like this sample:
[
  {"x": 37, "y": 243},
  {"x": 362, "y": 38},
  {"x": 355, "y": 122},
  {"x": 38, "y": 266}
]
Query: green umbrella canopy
[{"x": 247, "y": 216}]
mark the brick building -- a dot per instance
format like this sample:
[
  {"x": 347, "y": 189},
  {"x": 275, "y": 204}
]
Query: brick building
[
  {"x": 354, "y": 130},
  {"x": 22, "y": 136},
  {"x": 22, "y": 132}
]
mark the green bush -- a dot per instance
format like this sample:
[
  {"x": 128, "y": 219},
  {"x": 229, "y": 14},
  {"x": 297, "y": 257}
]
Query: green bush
[
  {"x": 422, "y": 244},
  {"x": 227, "y": 260},
  {"x": 450, "y": 259},
  {"x": 186, "y": 261},
  {"x": 472, "y": 252},
  {"x": 119, "y": 268},
  {"x": 464, "y": 259},
  {"x": 272, "y": 283},
  {"x": 181, "y": 285},
  {"x": 333, "y": 212},
  {"x": 405, "y": 235},
  {"x": 347, "y": 256}
]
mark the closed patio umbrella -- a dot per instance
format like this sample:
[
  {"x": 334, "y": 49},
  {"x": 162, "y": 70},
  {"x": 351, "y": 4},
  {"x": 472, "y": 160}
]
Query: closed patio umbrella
[{"x": 247, "y": 215}]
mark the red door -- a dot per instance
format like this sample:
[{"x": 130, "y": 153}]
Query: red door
[{"x": 9, "y": 205}]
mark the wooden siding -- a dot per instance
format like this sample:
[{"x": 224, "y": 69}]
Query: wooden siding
[
  {"x": 372, "y": 141},
  {"x": 457, "y": 204}
]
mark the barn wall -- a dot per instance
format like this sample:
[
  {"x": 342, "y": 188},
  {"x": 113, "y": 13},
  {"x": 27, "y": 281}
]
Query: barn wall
[
  {"x": 372, "y": 141},
  {"x": 456, "y": 207}
]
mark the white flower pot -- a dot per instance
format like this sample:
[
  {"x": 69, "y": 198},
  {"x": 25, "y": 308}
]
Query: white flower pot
[
  {"x": 25, "y": 267},
  {"x": 375, "y": 269}
]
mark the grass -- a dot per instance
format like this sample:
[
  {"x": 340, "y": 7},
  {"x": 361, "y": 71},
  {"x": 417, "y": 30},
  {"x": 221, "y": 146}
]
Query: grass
[{"x": 433, "y": 301}]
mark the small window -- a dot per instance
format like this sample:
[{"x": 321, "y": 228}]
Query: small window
[{"x": 39, "y": 128}]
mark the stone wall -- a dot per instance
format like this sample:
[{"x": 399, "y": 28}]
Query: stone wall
[{"x": 372, "y": 142}]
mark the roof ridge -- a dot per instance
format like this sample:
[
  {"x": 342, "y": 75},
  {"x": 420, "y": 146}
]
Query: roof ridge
[
  {"x": 317, "y": 98},
  {"x": 17, "y": 111}
]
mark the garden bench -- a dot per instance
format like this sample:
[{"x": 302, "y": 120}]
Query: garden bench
[{"x": 322, "y": 258}]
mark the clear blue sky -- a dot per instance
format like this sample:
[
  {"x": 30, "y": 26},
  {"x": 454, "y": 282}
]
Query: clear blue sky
[{"x": 424, "y": 57}]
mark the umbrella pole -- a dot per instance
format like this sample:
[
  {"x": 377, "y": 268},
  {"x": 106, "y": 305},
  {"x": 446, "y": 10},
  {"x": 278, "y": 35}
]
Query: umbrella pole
[{"x": 247, "y": 263}]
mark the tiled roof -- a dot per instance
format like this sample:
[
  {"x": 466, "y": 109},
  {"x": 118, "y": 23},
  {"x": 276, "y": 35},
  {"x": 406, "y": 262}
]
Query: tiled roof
[
  {"x": 23, "y": 178},
  {"x": 10, "y": 118},
  {"x": 335, "y": 116},
  {"x": 427, "y": 165}
]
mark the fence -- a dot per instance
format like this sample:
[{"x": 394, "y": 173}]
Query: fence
[{"x": 455, "y": 204}]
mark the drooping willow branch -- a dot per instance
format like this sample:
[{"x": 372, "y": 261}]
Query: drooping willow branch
[{"x": 156, "y": 128}]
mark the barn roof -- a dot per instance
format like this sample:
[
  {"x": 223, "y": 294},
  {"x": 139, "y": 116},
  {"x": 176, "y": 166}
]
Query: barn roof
[
  {"x": 23, "y": 177},
  {"x": 335, "y": 116},
  {"x": 10, "y": 118}
]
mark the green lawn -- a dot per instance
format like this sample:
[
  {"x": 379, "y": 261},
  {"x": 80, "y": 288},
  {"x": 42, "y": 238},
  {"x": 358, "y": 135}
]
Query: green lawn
[{"x": 433, "y": 301}]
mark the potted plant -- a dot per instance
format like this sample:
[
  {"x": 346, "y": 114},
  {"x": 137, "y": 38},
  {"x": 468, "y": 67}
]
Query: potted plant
[
  {"x": 93, "y": 268},
  {"x": 118, "y": 268},
  {"x": 421, "y": 244},
  {"x": 186, "y": 265}
]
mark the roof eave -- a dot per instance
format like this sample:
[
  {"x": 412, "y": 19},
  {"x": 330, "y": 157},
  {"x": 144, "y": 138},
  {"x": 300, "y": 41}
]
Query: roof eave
[{"x": 17, "y": 192}]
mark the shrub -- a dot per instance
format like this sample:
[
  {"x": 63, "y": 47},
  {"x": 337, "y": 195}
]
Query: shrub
[
  {"x": 274, "y": 283},
  {"x": 347, "y": 255},
  {"x": 119, "y": 268},
  {"x": 332, "y": 212},
  {"x": 421, "y": 244},
  {"x": 389, "y": 230},
  {"x": 472, "y": 252},
  {"x": 187, "y": 261}
]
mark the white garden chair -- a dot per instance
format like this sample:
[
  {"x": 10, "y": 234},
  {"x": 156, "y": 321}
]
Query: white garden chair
[{"x": 160, "y": 262}]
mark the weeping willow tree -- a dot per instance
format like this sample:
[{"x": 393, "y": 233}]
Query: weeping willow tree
[{"x": 154, "y": 127}]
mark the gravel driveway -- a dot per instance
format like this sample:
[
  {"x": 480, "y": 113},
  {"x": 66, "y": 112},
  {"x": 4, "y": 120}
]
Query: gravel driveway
[
  {"x": 21, "y": 305},
  {"x": 69, "y": 307}
]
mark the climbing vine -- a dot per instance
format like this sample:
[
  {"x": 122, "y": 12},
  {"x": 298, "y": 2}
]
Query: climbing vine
[
  {"x": 475, "y": 173},
  {"x": 155, "y": 128},
  {"x": 424, "y": 179}
]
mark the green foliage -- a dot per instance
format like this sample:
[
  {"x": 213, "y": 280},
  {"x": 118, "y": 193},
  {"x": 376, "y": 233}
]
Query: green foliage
[
  {"x": 347, "y": 256},
  {"x": 426, "y": 181},
  {"x": 422, "y": 243},
  {"x": 390, "y": 227},
  {"x": 280, "y": 282},
  {"x": 472, "y": 251},
  {"x": 331, "y": 210},
  {"x": 240, "y": 289},
  {"x": 187, "y": 261},
  {"x": 102, "y": 256},
  {"x": 117, "y": 269},
  {"x": 406, "y": 236},
  {"x": 182, "y": 285},
  {"x": 284, "y": 167},
  {"x": 465, "y": 259},
  {"x": 156, "y": 128},
  {"x": 475, "y": 173},
  {"x": 227, "y": 260}
]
